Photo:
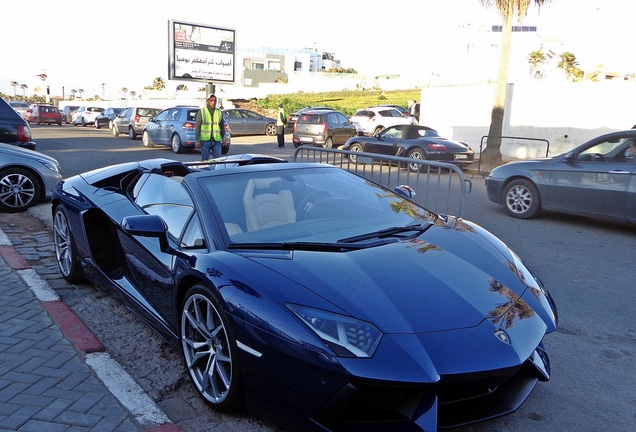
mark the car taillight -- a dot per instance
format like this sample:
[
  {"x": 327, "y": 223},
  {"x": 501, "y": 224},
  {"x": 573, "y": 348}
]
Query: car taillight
[
  {"x": 324, "y": 127},
  {"x": 137, "y": 118},
  {"x": 188, "y": 125},
  {"x": 24, "y": 134},
  {"x": 437, "y": 146}
]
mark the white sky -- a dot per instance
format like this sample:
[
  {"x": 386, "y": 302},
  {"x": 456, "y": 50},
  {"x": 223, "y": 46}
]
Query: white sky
[{"x": 127, "y": 45}]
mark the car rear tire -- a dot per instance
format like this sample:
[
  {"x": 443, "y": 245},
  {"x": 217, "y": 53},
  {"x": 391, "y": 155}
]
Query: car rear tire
[
  {"x": 209, "y": 349},
  {"x": 271, "y": 129},
  {"x": 377, "y": 130},
  {"x": 176, "y": 145},
  {"x": 146, "y": 141},
  {"x": 131, "y": 133},
  {"x": 19, "y": 190},
  {"x": 65, "y": 253},
  {"x": 115, "y": 131},
  {"x": 419, "y": 154},
  {"x": 521, "y": 199},
  {"x": 328, "y": 143},
  {"x": 355, "y": 147}
]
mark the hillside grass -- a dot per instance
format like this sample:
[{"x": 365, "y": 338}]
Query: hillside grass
[{"x": 346, "y": 101}]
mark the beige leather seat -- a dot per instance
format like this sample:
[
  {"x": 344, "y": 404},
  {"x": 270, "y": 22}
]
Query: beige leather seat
[{"x": 267, "y": 204}]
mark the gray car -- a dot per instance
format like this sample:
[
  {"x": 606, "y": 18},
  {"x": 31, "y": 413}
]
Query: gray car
[
  {"x": 247, "y": 122},
  {"x": 596, "y": 179},
  {"x": 132, "y": 120},
  {"x": 26, "y": 177},
  {"x": 324, "y": 128}
]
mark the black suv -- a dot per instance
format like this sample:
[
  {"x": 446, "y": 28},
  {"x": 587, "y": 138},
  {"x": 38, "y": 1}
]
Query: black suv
[
  {"x": 324, "y": 127},
  {"x": 14, "y": 129}
]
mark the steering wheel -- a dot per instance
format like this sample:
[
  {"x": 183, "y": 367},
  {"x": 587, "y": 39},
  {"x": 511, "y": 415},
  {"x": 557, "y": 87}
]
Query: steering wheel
[{"x": 305, "y": 205}]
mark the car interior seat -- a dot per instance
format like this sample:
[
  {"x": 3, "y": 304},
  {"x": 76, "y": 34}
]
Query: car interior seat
[{"x": 267, "y": 203}]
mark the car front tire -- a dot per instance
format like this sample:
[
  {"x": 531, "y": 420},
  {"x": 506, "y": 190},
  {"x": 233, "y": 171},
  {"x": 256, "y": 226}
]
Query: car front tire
[
  {"x": 521, "y": 199},
  {"x": 146, "y": 141},
  {"x": 355, "y": 147},
  {"x": 65, "y": 247},
  {"x": 19, "y": 190},
  {"x": 209, "y": 349}
]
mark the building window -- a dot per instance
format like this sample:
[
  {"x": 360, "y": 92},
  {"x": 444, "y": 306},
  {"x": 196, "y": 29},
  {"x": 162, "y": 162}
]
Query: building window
[{"x": 298, "y": 66}]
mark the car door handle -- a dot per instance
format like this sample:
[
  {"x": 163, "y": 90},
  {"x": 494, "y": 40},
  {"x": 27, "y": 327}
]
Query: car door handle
[{"x": 619, "y": 172}]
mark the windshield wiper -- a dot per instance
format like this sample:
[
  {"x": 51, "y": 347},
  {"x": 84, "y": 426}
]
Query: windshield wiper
[
  {"x": 306, "y": 246},
  {"x": 388, "y": 232}
]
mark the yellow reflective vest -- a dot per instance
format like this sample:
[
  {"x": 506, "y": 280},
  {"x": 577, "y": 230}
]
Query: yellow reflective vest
[{"x": 210, "y": 125}]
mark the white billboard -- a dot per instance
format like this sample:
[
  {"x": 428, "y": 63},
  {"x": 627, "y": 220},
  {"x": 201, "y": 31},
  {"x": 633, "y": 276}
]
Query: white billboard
[{"x": 202, "y": 53}]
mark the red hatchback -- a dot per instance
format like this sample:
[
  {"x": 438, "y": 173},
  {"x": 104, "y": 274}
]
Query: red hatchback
[{"x": 44, "y": 114}]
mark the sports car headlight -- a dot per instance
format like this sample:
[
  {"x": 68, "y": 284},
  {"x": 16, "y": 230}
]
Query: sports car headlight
[
  {"x": 526, "y": 275},
  {"x": 346, "y": 336}
]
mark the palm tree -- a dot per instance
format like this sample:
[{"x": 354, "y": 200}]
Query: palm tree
[
  {"x": 536, "y": 58},
  {"x": 569, "y": 64},
  {"x": 73, "y": 92},
  {"x": 182, "y": 87},
  {"x": 81, "y": 92},
  {"x": 24, "y": 87},
  {"x": 124, "y": 90},
  {"x": 159, "y": 84},
  {"x": 14, "y": 84},
  {"x": 491, "y": 156},
  {"x": 133, "y": 94}
]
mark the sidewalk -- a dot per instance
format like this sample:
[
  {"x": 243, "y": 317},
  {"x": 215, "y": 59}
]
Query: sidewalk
[{"x": 54, "y": 373}]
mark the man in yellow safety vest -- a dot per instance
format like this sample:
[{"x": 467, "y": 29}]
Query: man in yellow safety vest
[{"x": 209, "y": 130}]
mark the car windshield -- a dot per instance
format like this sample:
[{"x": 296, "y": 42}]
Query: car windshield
[{"x": 310, "y": 205}]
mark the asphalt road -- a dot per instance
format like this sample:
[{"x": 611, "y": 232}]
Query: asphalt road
[{"x": 587, "y": 265}]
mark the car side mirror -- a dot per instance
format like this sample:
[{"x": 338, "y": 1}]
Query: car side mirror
[
  {"x": 570, "y": 157},
  {"x": 148, "y": 226}
]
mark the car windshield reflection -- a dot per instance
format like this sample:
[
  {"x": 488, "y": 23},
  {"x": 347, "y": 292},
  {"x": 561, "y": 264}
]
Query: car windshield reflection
[{"x": 312, "y": 206}]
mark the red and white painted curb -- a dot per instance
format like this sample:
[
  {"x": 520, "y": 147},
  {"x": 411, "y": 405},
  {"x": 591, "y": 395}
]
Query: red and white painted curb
[{"x": 112, "y": 374}]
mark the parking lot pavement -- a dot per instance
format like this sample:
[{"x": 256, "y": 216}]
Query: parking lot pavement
[{"x": 54, "y": 373}]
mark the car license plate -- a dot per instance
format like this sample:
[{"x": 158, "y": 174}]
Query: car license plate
[
  {"x": 306, "y": 139},
  {"x": 461, "y": 156}
]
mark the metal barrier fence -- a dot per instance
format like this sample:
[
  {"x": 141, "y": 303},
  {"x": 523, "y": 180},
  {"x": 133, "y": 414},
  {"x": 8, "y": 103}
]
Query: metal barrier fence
[
  {"x": 439, "y": 186},
  {"x": 481, "y": 146}
]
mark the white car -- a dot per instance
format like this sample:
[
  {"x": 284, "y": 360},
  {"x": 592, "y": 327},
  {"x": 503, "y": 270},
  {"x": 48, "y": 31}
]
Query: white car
[
  {"x": 85, "y": 115},
  {"x": 373, "y": 120},
  {"x": 20, "y": 107}
]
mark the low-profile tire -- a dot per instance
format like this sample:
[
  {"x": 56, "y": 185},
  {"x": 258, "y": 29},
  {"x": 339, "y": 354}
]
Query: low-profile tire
[
  {"x": 209, "y": 349},
  {"x": 131, "y": 133},
  {"x": 146, "y": 141},
  {"x": 175, "y": 143},
  {"x": 271, "y": 129},
  {"x": 19, "y": 189},
  {"x": 521, "y": 199},
  {"x": 419, "y": 154},
  {"x": 328, "y": 143},
  {"x": 355, "y": 147},
  {"x": 65, "y": 251}
]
